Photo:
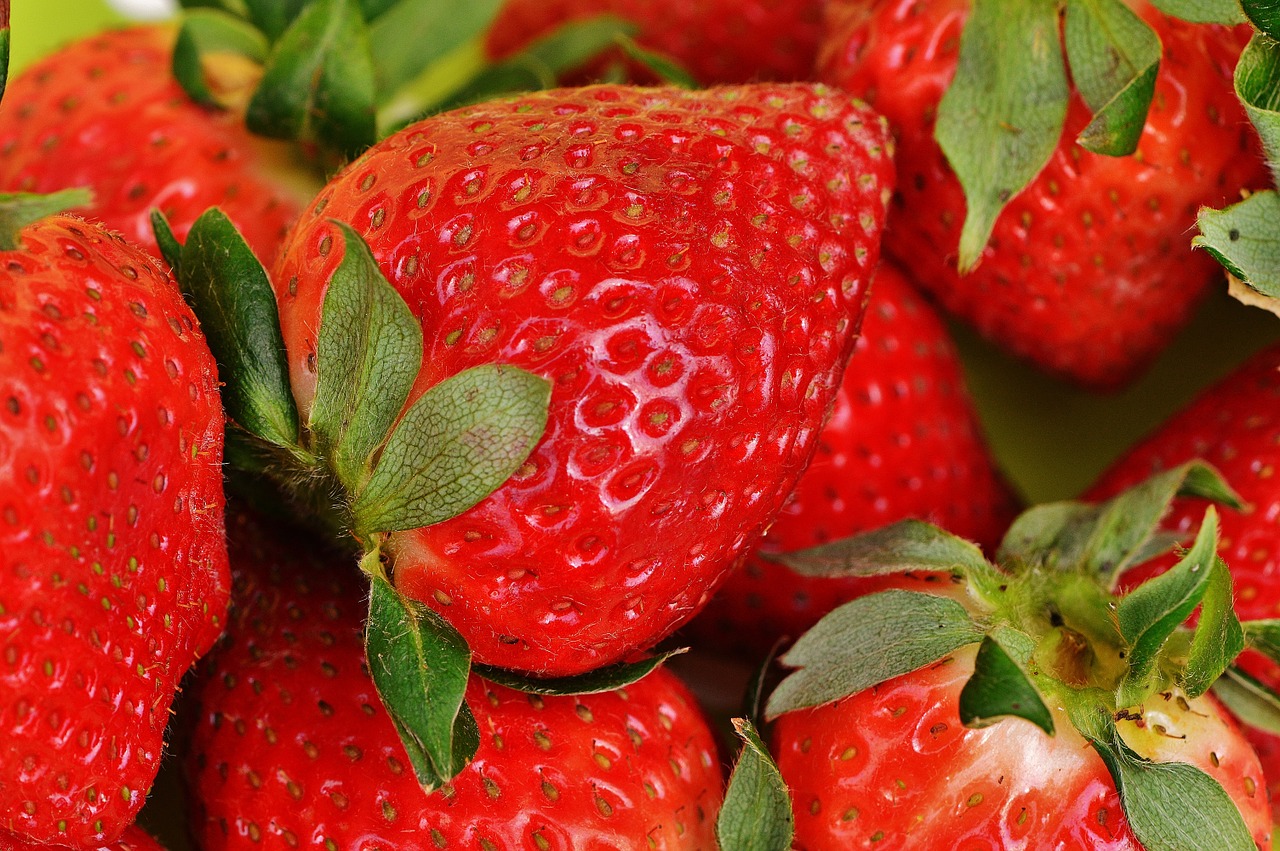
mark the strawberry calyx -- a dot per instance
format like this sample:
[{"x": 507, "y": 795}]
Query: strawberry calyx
[
  {"x": 19, "y": 209},
  {"x": 1057, "y": 644},
  {"x": 4, "y": 45}
]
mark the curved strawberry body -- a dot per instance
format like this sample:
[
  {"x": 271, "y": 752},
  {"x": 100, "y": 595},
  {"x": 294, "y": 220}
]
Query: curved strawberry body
[
  {"x": 715, "y": 40},
  {"x": 293, "y": 745},
  {"x": 892, "y": 767},
  {"x": 903, "y": 441},
  {"x": 1090, "y": 269},
  {"x": 134, "y": 838},
  {"x": 688, "y": 269},
  {"x": 106, "y": 113},
  {"x": 114, "y": 573}
]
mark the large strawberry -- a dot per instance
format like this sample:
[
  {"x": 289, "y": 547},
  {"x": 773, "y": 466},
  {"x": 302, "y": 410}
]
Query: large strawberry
[
  {"x": 133, "y": 839},
  {"x": 1025, "y": 705},
  {"x": 292, "y": 745},
  {"x": 1236, "y": 426},
  {"x": 903, "y": 441},
  {"x": 106, "y": 113},
  {"x": 715, "y": 40},
  {"x": 113, "y": 572},
  {"x": 687, "y": 269},
  {"x": 1089, "y": 270}
]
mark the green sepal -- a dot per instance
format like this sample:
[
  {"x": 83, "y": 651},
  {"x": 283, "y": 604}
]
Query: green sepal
[
  {"x": 1203, "y": 11},
  {"x": 273, "y": 17},
  {"x": 231, "y": 293},
  {"x": 318, "y": 86},
  {"x": 1149, "y": 614},
  {"x": 170, "y": 248},
  {"x": 664, "y": 67},
  {"x": 1264, "y": 636},
  {"x": 456, "y": 444},
  {"x": 1249, "y": 699},
  {"x": 420, "y": 666},
  {"x": 1114, "y": 57},
  {"x": 5, "y": 40},
  {"x": 19, "y": 209},
  {"x": 1001, "y": 688},
  {"x": 1047, "y": 536},
  {"x": 867, "y": 641},
  {"x": 1170, "y": 806},
  {"x": 401, "y": 52},
  {"x": 1002, "y": 116},
  {"x": 902, "y": 547},
  {"x": 1264, "y": 15},
  {"x": 1257, "y": 84},
  {"x": 368, "y": 353},
  {"x": 1244, "y": 239},
  {"x": 207, "y": 31},
  {"x": 1218, "y": 637},
  {"x": 756, "y": 814},
  {"x": 372, "y": 9},
  {"x": 608, "y": 678}
]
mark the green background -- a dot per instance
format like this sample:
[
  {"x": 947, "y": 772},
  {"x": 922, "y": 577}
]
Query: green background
[{"x": 1051, "y": 439}]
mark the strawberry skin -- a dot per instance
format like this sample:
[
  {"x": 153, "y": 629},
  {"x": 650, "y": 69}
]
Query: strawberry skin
[
  {"x": 113, "y": 571},
  {"x": 134, "y": 838},
  {"x": 892, "y": 767},
  {"x": 903, "y": 441},
  {"x": 293, "y": 746},
  {"x": 1234, "y": 425},
  {"x": 106, "y": 113},
  {"x": 717, "y": 41},
  {"x": 1090, "y": 269},
  {"x": 687, "y": 268}
]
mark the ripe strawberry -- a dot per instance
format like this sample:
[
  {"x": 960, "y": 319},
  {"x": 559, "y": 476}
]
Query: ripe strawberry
[
  {"x": 1235, "y": 425},
  {"x": 113, "y": 573},
  {"x": 106, "y": 113},
  {"x": 716, "y": 41},
  {"x": 293, "y": 746},
  {"x": 903, "y": 441},
  {"x": 1090, "y": 269},
  {"x": 134, "y": 838},
  {"x": 687, "y": 268}
]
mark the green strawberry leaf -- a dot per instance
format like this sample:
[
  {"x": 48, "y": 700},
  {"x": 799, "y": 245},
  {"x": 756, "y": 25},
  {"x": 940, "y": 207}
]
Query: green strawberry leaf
[
  {"x": 1264, "y": 15},
  {"x": 170, "y": 248},
  {"x": 230, "y": 292},
  {"x": 1114, "y": 56},
  {"x": 401, "y": 51},
  {"x": 1170, "y": 806},
  {"x": 902, "y": 547},
  {"x": 1218, "y": 637},
  {"x": 756, "y": 814},
  {"x": 665, "y": 68},
  {"x": 4, "y": 46},
  {"x": 867, "y": 641},
  {"x": 372, "y": 9},
  {"x": 1002, "y": 116},
  {"x": 1244, "y": 239},
  {"x": 368, "y": 353},
  {"x": 457, "y": 444},
  {"x": 1000, "y": 688},
  {"x": 1264, "y": 636},
  {"x": 19, "y": 209},
  {"x": 1249, "y": 699},
  {"x": 207, "y": 31},
  {"x": 608, "y": 678},
  {"x": 1050, "y": 535},
  {"x": 318, "y": 85},
  {"x": 420, "y": 667},
  {"x": 1149, "y": 614},
  {"x": 1257, "y": 82},
  {"x": 1203, "y": 11}
]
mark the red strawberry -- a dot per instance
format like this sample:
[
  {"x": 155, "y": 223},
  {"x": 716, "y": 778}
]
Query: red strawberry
[
  {"x": 687, "y": 268},
  {"x": 903, "y": 441},
  {"x": 893, "y": 768},
  {"x": 113, "y": 573},
  {"x": 106, "y": 113},
  {"x": 293, "y": 745},
  {"x": 134, "y": 838},
  {"x": 715, "y": 40},
  {"x": 1090, "y": 269},
  {"x": 1235, "y": 425}
]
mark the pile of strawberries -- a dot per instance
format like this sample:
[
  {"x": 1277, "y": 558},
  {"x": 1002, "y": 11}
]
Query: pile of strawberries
[{"x": 414, "y": 382}]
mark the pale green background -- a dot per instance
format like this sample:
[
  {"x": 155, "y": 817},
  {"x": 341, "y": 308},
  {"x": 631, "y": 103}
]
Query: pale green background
[{"x": 1051, "y": 439}]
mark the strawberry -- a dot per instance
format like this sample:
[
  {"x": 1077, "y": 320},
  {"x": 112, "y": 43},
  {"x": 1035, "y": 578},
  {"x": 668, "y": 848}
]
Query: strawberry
[
  {"x": 106, "y": 113},
  {"x": 903, "y": 441},
  {"x": 716, "y": 41},
  {"x": 687, "y": 270},
  {"x": 113, "y": 572},
  {"x": 1024, "y": 703},
  {"x": 293, "y": 746},
  {"x": 134, "y": 838},
  {"x": 1236, "y": 426},
  {"x": 1089, "y": 270}
]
